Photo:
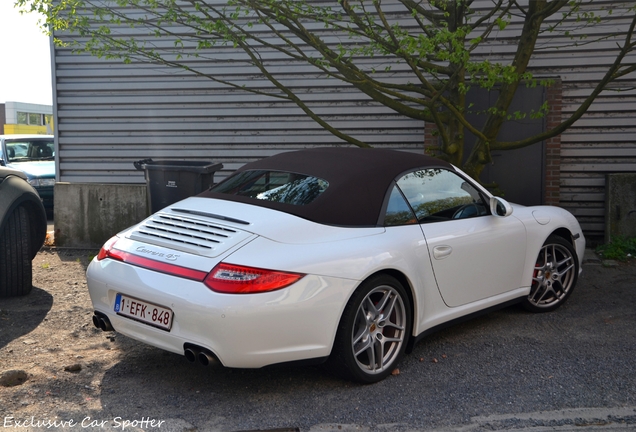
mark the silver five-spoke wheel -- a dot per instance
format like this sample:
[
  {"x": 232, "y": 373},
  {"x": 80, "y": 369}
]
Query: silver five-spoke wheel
[
  {"x": 379, "y": 329},
  {"x": 555, "y": 274},
  {"x": 373, "y": 331}
]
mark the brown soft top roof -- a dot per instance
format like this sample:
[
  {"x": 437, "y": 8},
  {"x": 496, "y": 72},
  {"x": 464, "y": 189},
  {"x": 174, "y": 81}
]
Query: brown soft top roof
[{"x": 359, "y": 180}]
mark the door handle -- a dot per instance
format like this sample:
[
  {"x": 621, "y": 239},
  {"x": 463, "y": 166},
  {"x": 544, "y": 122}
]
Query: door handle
[{"x": 441, "y": 252}]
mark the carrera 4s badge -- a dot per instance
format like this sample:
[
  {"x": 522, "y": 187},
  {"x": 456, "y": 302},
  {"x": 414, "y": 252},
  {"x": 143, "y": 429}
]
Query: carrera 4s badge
[{"x": 167, "y": 256}]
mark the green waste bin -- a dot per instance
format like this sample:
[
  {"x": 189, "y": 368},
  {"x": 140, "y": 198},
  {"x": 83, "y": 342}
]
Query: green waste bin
[{"x": 170, "y": 181}]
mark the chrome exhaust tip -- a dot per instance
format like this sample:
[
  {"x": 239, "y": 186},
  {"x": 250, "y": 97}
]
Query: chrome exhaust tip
[
  {"x": 198, "y": 354},
  {"x": 96, "y": 321},
  {"x": 191, "y": 354},
  {"x": 102, "y": 322},
  {"x": 206, "y": 358}
]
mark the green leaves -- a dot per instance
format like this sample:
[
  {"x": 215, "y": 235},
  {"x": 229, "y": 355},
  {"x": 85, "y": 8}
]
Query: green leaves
[{"x": 619, "y": 248}]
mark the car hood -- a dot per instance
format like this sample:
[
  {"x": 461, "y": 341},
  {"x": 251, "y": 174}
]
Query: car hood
[
  {"x": 211, "y": 227},
  {"x": 35, "y": 169}
]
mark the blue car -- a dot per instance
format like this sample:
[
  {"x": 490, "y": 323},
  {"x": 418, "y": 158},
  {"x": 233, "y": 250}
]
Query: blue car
[{"x": 34, "y": 155}]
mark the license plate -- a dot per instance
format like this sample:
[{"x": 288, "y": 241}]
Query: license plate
[{"x": 147, "y": 313}]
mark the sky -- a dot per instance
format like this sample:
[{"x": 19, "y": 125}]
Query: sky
[{"x": 25, "y": 55}]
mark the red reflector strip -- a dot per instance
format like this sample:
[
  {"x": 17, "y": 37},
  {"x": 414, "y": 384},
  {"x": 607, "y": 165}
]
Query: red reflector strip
[
  {"x": 162, "y": 267},
  {"x": 224, "y": 278}
]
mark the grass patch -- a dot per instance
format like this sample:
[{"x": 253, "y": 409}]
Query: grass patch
[{"x": 620, "y": 248}]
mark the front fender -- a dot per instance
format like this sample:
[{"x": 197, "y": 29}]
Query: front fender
[
  {"x": 16, "y": 192},
  {"x": 543, "y": 221}
]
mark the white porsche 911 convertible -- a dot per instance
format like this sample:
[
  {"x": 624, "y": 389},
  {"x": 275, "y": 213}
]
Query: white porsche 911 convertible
[{"x": 340, "y": 255}]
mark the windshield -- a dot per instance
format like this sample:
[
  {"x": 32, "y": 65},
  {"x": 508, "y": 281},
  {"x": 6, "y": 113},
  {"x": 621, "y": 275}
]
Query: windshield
[
  {"x": 275, "y": 186},
  {"x": 30, "y": 150}
]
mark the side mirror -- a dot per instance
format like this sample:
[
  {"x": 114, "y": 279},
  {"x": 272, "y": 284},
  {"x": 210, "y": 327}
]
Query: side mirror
[{"x": 500, "y": 207}]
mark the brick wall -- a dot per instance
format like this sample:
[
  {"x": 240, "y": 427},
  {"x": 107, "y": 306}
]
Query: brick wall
[{"x": 554, "y": 95}]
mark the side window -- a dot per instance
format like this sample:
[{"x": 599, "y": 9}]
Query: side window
[
  {"x": 398, "y": 211},
  {"x": 439, "y": 195}
]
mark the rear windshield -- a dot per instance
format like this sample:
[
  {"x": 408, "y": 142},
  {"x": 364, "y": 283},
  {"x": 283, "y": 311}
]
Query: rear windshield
[{"x": 275, "y": 186}]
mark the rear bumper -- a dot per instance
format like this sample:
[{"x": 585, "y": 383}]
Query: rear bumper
[{"x": 245, "y": 331}]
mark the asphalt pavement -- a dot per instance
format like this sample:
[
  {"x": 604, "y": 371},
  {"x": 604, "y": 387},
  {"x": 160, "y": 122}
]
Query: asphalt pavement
[
  {"x": 570, "y": 370},
  {"x": 573, "y": 369}
]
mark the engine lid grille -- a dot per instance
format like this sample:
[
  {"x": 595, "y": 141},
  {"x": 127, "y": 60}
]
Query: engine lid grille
[{"x": 195, "y": 235}]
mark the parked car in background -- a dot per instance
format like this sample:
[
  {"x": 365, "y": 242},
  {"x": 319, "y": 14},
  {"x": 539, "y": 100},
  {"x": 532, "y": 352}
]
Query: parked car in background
[
  {"x": 22, "y": 232},
  {"x": 336, "y": 254},
  {"x": 35, "y": 156}
]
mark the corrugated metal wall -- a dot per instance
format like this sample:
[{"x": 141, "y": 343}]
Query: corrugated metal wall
[
  {"x": 119, "y": 113},
  {"x": 110, "y": 114}
]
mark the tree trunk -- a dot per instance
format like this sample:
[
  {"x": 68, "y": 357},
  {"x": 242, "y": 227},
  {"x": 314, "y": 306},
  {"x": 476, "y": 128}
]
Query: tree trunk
[{"x": 481, "y": 153}]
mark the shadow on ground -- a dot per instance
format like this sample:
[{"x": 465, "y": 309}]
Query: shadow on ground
[
  {"x": 506, "y": 362},
  {"x": 21, "y": 315}
]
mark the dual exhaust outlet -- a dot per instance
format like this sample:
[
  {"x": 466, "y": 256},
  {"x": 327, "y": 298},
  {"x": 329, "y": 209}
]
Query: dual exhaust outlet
[
  {"x": 193, "y": 353},
  {"x": 199, "y": 354},
  {"x": 101, "y": 321}
]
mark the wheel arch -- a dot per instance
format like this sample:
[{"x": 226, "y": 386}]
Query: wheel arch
[
  {"x": 555, "y": 273},
  {"x": 576, "y": 241},
  {"x": 401, "y": 277},
  {"x": 339, "y": 360},
  {"x": 564, "y": 233},
  {"x": 408, "y": 287}
]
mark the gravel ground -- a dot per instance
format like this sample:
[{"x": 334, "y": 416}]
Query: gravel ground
[{"x": 573, "y": 369}]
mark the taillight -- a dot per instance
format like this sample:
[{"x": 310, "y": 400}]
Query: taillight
[
  {"x": 236, "y": 279},
  {"x": 224, "y": 278},
  {"x": 107, "y": 251}
]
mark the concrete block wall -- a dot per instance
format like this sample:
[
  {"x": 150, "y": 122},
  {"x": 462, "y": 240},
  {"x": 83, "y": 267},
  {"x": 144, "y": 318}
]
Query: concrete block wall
[
  {"x": 620, "y": 206},
  {"x": 88, "y": 214}
]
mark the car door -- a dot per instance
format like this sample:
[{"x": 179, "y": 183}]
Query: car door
[{"x": 474, "y": 254}]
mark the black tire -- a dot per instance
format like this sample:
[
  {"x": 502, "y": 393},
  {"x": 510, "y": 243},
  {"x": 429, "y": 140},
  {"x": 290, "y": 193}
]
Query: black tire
[
  {"x": 15, "y": 255},
  {"x": 364, "y": 331},
  {"x": 555, "y": 274}
]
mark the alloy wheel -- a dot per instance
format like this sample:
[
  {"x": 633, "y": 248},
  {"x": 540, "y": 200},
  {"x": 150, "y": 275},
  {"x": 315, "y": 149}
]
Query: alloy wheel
[
  {"x": 379, "y": 330},
  {"x": 554, "y": 276}
]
